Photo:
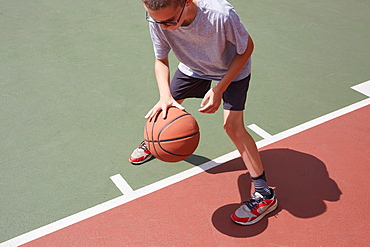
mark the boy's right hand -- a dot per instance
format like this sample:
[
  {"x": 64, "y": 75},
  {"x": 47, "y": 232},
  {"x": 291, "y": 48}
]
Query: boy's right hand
[{"x": 163, "y": 104}]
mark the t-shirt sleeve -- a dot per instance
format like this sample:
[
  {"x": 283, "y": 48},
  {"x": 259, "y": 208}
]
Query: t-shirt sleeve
[
  {"x": 160, "y": 45},
  {"x": 236, "y": 33}
]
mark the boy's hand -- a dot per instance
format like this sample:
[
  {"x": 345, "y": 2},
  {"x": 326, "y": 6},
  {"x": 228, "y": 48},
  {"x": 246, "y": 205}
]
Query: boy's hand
[
  {"x": 163, "y": 104},
  {"x": 211, "y": 101}
]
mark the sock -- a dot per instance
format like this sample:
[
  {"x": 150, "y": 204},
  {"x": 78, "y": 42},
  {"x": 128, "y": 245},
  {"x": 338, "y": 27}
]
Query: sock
[{"x": 261, "y": 186}]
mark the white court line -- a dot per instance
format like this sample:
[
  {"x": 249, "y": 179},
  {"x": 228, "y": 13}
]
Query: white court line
[
  {"x": 262, "y": 133},
  {"x": 313, "y": 123},
  {"x": 363, "y": 88},
  {"x": 121, "y": 184},
  {"x": 60, "y": 224}
]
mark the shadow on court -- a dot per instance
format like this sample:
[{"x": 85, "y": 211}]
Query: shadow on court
[
  {"x": 197, "y": 160},
  {"x": 302, "y": 185}
]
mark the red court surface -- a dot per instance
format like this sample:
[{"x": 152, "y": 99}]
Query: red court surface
[{"x": 321, "y": 179}]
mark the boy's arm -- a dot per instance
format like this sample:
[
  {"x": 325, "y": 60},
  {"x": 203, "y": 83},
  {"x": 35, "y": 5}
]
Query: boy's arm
[
  {"x": 162, "y": 74},
  {"x": 212, "y": 99}
]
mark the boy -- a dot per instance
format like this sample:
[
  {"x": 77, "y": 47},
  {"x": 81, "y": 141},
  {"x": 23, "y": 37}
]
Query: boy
[{"x": 211, "y": 43}]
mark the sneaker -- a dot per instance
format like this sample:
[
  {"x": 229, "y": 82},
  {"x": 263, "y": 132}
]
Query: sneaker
[
  {"x": 140, "y": 155},
  {"x": 255, "y": 209}
]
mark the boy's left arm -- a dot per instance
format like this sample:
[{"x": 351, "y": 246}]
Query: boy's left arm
[{"x": 212, "y": 100}]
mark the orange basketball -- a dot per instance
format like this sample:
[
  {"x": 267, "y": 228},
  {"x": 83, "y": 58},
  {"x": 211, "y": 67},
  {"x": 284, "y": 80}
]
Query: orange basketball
[{"x": 174, "y": 138}]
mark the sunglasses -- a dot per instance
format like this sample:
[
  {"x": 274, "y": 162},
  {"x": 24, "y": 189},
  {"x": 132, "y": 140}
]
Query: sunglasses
[{"x": 167, "y": 23}]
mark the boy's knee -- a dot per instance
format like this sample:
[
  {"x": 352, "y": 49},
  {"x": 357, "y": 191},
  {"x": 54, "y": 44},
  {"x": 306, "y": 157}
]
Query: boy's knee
[{"x": 230, "y": 128}]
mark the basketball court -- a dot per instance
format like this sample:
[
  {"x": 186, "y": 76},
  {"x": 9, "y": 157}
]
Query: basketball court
[{"x": 77, "y": 78}]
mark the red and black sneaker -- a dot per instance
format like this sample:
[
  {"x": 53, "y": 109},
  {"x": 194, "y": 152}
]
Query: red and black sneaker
[
  {"x": 140, "y": 155},
  {"x": 255, "y": 209}
]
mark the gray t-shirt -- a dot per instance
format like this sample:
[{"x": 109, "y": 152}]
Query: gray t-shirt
[{"x": 207, "y": 46}]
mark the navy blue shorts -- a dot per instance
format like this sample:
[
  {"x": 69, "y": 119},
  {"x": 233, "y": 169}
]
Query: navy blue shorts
[{"x": 235, "y": 96}]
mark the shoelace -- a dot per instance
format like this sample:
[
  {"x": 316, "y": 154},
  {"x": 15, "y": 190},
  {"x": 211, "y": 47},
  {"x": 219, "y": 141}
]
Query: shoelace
[
  {"x": 253, "y": 202},
  {"x": 143, "y": 146}
]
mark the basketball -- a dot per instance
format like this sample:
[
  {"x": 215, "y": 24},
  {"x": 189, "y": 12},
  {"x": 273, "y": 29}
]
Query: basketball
[{"x": 174, "y": 138}]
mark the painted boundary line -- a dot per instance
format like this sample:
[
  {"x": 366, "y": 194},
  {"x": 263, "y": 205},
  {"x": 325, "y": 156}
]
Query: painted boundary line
[
  {"x": 363, "y": 88},
  {"x": 121, "y": 184},
  {"x": 75, "y": 218},
  {"x": 259, "y": 131}
]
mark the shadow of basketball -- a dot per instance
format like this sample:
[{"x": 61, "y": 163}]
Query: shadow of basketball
[
  {"x": 302, "y": 185},
  {"x": 196, "y": 160}
]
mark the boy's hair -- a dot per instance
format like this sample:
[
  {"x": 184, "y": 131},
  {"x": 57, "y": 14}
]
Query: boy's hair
[{"x": 161, "y": 4}]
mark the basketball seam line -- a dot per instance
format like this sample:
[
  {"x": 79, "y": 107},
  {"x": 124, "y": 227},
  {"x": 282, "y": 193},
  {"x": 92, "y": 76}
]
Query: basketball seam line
[
  {"x": 174, "y": 153},
  {"x": 173, "y": 139},
  {"x": 173, "y": 120}
]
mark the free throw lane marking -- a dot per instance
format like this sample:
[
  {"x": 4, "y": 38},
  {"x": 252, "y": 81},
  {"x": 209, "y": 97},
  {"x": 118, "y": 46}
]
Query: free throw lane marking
[
  {"x": 121, "y": 184},
  {"x": 259, "y": 131},
  {"x": 100, "y": 208}
]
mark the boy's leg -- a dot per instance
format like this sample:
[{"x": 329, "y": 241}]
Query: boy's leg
[
  {"x": 235, "y": 98},
  {"x": 263, "y": 200},
  {"x": 235, "y": 129}
]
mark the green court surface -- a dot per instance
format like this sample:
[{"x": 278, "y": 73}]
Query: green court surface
[{"x": 76, "y": 79}]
